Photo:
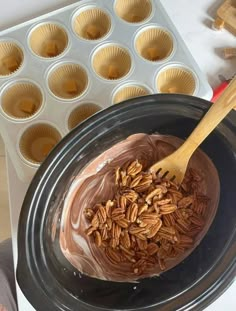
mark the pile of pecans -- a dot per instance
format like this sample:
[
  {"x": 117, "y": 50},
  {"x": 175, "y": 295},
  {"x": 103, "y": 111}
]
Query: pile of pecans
[{"x": 148, "y": 220}]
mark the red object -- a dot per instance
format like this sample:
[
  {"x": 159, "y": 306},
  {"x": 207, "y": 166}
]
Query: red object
[{"x": 219, "y": 89}]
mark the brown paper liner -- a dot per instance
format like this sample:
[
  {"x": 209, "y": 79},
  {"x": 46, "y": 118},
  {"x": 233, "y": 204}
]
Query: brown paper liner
[
  {"x": 81, "y": 113},
  {"x": 154, "y": 44},
  {"x": 112, "y": 62},
  {"x": 128, "y": 92},
  {"x": 11, "y": 58},
  {"x": 68, "y": 81},
  {"x": 48, "y": 40},
  {"x": 176, "y": 80},
  {"x": 22, "y": 100},
  {"x": 133, "y": 11},
  {"x": 92, "y": 24},
  {"x": 37, "y": 141}
]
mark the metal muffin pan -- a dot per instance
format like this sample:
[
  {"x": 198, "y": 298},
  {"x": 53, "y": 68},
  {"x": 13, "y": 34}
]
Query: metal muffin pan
[{"x": 91, "y": 54}]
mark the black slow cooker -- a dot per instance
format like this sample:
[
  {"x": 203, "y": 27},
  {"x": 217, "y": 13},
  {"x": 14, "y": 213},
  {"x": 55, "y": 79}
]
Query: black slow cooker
[{"x": 48, "y": 280}]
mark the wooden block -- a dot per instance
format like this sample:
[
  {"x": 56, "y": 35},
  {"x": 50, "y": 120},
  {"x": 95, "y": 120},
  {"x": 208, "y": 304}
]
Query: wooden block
[
  {"x": 27, "y": 105},
  {"x": 93, "y": 32},
  {"x": 229, "y": 53},
  {"x": 10, "y": 63},
  {"x": 46, "y": 149},
  {"x": 113, "y": 72},
  {"x": 218, "y": 24},
  {"x": 51, "y": 48},
  {"x": 153, "y": 53},
  {"x": 70, "y": 86},
  {"x": 227, "y": 13}
]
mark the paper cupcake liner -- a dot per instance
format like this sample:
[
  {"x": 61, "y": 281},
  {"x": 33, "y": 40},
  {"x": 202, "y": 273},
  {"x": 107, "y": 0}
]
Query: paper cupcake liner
[
  {"x": 37, "y": 141},
  {"x": 176, "y": 80},
  {"x": 11, "y": 58},
  {"x": 81, "y": 113},
  {"x": 112, "y": 62},
  {"x": 48, "y": 40},
  {"x": 133, "y": 11},
  {"x": 154, "y": 44},
  {"x": 128, "y": 92},
  {"x": 22, "y": 100},
  {"x": 68, "y": 81},
  {"x": 92, "y": 24}
]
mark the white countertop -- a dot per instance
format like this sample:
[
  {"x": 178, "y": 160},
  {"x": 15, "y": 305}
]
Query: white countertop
[{"x": 193, "y": 20}]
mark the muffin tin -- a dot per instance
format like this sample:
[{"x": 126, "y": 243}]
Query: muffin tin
[{"x": 60, "y": 68}]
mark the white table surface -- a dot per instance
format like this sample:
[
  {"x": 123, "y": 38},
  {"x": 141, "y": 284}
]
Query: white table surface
[{"x": 192, "y": 19}]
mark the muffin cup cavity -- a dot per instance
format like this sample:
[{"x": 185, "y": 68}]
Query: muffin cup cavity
[
  {"x": 154, "y": 44},
  {"x": 21, "y": 100},
  {"x": 37, "y": 141},
  {"x": 68, "y": 81},
  {"x": 81, "y": 113},
  {"x": 129, "y": 91},
  {"x": 178, "y": 80},
  {"x": 48, "y": 40},
  {"x": 112, "y": 62},
  {"x": 133, "y": 11},
  {"x": 11, "y": 58},
  {"x": 92, "y": 24}
]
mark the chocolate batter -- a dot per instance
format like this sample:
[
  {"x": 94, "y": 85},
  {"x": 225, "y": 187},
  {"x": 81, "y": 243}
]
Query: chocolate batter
[{"x": 96, "y": 184}]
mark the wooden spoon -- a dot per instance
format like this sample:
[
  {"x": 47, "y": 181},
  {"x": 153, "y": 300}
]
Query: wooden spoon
[{"x": 174, "y": 166}]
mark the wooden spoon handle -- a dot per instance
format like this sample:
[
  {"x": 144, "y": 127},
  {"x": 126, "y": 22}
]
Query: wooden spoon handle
[{"x": 212, "y": 118}]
